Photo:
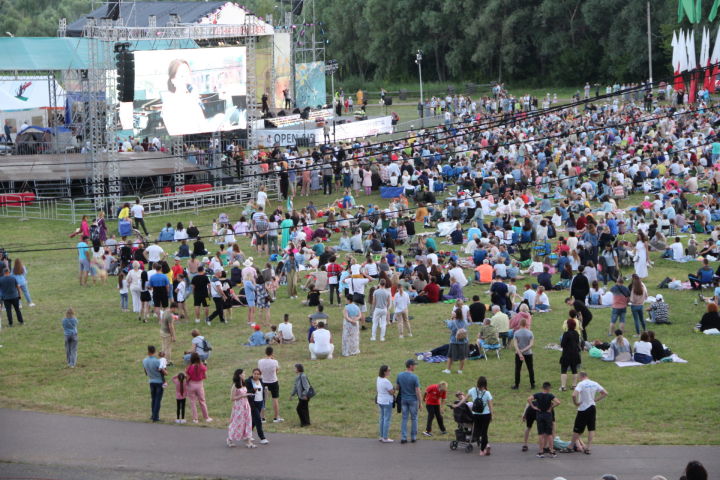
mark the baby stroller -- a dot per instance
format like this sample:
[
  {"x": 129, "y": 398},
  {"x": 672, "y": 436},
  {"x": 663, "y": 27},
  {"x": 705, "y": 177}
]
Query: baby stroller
[{"x": 463, "y": 416}]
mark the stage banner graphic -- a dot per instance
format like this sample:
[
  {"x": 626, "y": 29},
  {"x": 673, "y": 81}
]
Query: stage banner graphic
[{"x": 310, "y": 84}]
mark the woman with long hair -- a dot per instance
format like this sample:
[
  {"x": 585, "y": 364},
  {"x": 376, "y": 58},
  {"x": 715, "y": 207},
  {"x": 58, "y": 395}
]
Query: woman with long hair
[
  {"x": 256, "y": 400},
  {"x": 638, "y": 295},
  {"x": 351, "y": 328},
  {"x": 570, "y": 357},
  {"x": 640, "y": 259},
  {"x": 196, "y": 374},
  {"x": 240, "y": 427},
  {"x": 20, "y": 273},
  {"x": 481, "y": 419},
  {"x": 385, "y": 399}
]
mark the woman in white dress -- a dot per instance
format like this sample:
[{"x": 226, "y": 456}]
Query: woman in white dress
[
  {"x": 134, "y": 284},
  {"x": 641, "y": 255}
]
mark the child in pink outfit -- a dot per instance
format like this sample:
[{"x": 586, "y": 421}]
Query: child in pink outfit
[{"x": 180, "y": 395}]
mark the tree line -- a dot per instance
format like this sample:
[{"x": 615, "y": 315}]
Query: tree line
[{"x": 535, "y": 42}]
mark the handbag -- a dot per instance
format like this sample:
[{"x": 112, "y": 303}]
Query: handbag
[{"x": 310, "y": 392}]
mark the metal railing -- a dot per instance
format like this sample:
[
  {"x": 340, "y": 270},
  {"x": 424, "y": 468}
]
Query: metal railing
[{"x": 72, "y": 209}]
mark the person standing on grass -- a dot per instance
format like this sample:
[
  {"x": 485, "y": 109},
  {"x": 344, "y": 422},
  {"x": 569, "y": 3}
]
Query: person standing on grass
[
  {"x": 196, "y": 373},
  {"x": 84, "y": 259},
  {"x": 586, "y": 394},
  {"x": 385, "y": 399},
  {"x": 269, "y": 367},
  {"x": 138, "y": 213},
  {"x": 167, "y": 331},
  {"x": 10, "y": 295},
  {"x": 240, "y": 427},
  {"x": 570, "y": 356},
  {"x": 351, "y": 329},
  {"x": 458, "y": 350},
  {"x": 543, "y": 404},
  {"x": 638, "y": 295},
  {"x": 218, "y": 296},
  {"x": 381, "y": 303},
  {"x": 151, "y": 364},
  {"x": 523, "y": 341},
  {"x": 160, "y": 287},
  {"x": 433, "y": 397},
  {"x": 69, "y": 324},
  {"x": 200, "y": 289},
  {"x": 408, "y": 384},
  {"x": 402, "y": 306},
  {"x": 20, "y": 273},
  {"x": 301, "y": 388},
  {"x": 621, "y": 298}
]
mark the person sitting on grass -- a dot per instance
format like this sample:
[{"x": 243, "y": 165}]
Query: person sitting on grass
[
  {"x": 711, "y": 319},
  {"x": 313, "y": 297},
  {"x": 257, "y": 338},
  {"x": 285, "y": 331}
]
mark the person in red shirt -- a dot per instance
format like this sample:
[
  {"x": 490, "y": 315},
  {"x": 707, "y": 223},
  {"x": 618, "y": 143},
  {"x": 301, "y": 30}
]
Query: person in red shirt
[
  {"x": 177, "y": 269},
  {"x": 429, "y": 294},
  {"x": 433, "y": 397},
  {"x": 333, "y": 272}
]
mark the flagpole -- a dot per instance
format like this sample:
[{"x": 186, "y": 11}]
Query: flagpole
[{"x": 649, "y": 39}]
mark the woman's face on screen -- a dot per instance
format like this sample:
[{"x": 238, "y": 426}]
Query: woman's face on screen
[{"x": 183, "y": 78}]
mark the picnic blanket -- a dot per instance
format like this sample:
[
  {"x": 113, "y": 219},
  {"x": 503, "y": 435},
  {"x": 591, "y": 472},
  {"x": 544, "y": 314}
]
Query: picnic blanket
[
  {"x": 391, "y": 192},
  {"x": 671, "y": 359}
]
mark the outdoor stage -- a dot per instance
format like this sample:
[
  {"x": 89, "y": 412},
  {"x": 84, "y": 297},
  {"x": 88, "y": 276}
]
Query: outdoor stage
[{"x": 59, "y": 167}]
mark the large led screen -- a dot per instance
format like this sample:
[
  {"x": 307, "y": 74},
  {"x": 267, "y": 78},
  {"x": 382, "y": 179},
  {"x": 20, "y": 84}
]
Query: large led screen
[{"x": 191, "y": 91}]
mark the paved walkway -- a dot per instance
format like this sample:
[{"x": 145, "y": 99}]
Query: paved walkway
[{"x": 68, "y": 442}]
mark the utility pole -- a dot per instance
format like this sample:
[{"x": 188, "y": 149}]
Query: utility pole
[
  {"x": 421, "y": 107},
  {"x": 649, "y": 39}
]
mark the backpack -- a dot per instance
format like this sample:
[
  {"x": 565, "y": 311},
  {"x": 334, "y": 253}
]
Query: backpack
[
  {"x": 94, "y": 232},
  {"x": 478, "y": 405},
  {"x": 206, "y": 346},
  {"x": 551, "y": 232}
]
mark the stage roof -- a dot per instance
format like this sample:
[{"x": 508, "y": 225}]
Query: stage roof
[
  {"x": 63, "y": 53},
  {"x": 136, "y": 14},
  {"x": 33, "y": 54}
]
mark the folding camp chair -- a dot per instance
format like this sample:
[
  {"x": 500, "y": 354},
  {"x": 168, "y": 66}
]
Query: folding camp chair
[{"x": 485, "y": 348}]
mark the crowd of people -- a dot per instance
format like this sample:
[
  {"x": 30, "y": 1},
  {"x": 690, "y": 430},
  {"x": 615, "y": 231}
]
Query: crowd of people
[{"x": 531, "y": 205}]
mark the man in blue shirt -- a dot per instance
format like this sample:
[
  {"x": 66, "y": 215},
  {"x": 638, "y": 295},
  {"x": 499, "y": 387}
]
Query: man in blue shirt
[
  {"x": 408, "y": 385},
  {"x": 151, "y": 364},
  {"x": 159, "y": 285},
  {"x": 84, "y": 258},
  {"x": 10, "y": 295}
]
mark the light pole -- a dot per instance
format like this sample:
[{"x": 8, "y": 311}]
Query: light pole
[
  {"x": 421, "y": 106},
  {"x": 649, "y": 44}
]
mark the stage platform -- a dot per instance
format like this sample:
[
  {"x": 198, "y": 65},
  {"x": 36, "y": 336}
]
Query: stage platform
[{"x": 53, "y": 167}]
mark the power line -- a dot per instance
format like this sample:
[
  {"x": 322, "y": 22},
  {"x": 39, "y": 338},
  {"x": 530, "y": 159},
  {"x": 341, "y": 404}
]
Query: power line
[{"x": 358, "y": 217}]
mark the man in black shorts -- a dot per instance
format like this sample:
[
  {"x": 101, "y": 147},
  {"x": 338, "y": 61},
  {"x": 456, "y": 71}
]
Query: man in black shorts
[
  {"x": 201, "y": 291},
  {"x": 160, "y": 287},
  {"x": 586, "y": 395},
  {"x": 544, "y": 403}
]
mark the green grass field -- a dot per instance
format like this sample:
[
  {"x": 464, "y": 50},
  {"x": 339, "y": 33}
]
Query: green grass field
[{"x": 658, "y": 404}]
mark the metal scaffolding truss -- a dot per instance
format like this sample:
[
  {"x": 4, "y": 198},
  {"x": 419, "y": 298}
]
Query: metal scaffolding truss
[{"x": 99, "y": 87}]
